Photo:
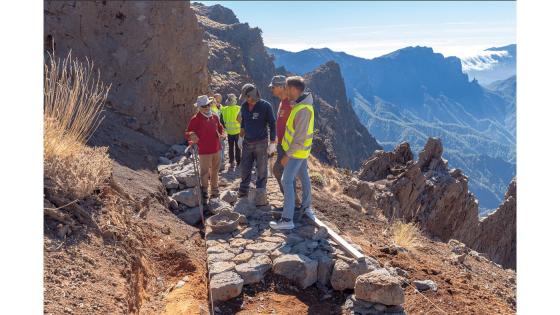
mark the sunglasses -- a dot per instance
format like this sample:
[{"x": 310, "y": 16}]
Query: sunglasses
[{"x": 205, "y": 106}]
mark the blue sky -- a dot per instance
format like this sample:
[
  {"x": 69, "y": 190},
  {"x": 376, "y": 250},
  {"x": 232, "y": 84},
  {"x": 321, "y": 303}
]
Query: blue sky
[{"x": 371, "y": 29}]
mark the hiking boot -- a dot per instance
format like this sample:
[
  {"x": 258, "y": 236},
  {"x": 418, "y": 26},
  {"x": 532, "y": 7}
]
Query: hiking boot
[
  {"x": 261, "y": 198},
  {"x": 241, "y": 194},
  {"x": 282, "y": 224}
]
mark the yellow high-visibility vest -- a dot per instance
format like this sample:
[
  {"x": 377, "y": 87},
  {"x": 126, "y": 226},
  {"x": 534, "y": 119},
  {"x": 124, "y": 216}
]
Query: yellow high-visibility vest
[
  {"x": 289, "y": 134},
  {"x": 214, "y": 108},
  {"x": 229, "y": 114}
]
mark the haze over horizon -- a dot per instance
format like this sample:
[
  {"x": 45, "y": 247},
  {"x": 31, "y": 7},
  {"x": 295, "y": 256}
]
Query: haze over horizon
[{"x": 373, "y": 29}]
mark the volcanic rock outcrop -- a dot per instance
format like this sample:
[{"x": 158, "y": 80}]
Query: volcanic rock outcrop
[
  {"x": 427, "y": 192},
  {"x": 236, "y": 51},
  {"x": 151, "y": 53},
  {"x": 340, "y": 138}
]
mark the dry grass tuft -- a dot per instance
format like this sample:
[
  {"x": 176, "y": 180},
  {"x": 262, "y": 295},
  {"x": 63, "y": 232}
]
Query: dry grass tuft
[
  {"x": 74, "y": 98},
  {"x": 406, "y": 235},
  {"x": 317, "y": 179}
]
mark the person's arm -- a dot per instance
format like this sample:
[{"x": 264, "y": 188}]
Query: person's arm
[
  {"x": 271, "y": 123},
  {"x": 221, "y": 129},
  {"x": 301, "y": 124},
  {"x": 190, "y": 133},
  {"x": 240, "y": 119}
]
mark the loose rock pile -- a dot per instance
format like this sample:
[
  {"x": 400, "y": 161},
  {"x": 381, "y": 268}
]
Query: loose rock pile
[
  {"x": 178, "y": 177},
  {"x": 305, "y": 255}
]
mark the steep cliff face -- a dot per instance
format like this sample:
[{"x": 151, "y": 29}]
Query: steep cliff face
[
  {"x": 340, "y": 139},
  {"x": 151, "y": 52},
  {"x": 497, "y": 233},
  {"x": 237, "y": 53},
  {"x": 427, "y": 192}
]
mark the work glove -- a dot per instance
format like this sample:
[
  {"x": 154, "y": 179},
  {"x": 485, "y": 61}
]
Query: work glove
[
  {"x": 240, "y": 143},
  {"x": 271, "y": 149}
]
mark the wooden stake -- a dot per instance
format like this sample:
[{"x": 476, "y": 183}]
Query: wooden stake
[{"x": 337, "y": 238}]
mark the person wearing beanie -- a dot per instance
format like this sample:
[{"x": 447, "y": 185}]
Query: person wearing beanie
[{"x": 258, "y": 127}]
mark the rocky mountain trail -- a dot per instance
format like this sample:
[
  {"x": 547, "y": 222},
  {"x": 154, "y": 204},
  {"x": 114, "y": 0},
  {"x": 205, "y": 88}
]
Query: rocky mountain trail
[
  {"x": 259, "y": 270},
  {"x": 138, "y": 245},
  {"x": 304, "y": 260}
]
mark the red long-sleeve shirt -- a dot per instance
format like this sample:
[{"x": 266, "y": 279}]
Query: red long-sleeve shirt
[
  {"x": 283, "y": 113},
  {"x": 208, "y": 130}
]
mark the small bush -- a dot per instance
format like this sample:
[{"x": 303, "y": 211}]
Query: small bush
[
  {"x": 74, "y": 98},
  {"x": 405, "y": 235},
  {"x": 317, "y": 179}
]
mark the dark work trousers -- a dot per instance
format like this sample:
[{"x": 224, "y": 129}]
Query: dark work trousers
[
  {"x": 234, "y": 151},
  {"x": 251, "y": 153}
]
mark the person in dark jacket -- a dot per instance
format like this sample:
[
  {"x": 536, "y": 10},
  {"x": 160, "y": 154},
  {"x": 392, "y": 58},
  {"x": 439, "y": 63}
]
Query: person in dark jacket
[{"x": 258, "y": 126}]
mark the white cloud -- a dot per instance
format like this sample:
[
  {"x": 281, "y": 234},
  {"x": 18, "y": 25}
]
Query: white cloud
[{"x": 483, "y": 60}]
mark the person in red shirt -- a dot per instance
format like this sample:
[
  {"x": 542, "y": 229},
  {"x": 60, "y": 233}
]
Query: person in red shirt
[
  {"x": 206, "y": 131},
  {"x": 278, "y": 88}
]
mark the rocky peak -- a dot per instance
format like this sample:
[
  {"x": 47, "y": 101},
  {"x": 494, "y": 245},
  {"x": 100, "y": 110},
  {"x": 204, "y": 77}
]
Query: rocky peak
[
  {"x": 327, "y": 81},
  {"x": 340, "y": 139},
  {"x": 427, "y": 192},
  {"x": 216, "y": 13},
  {"x": 237, "y": 53},
  {"x": 430, "y": 157},
  {"x": 385, "y": 163}
]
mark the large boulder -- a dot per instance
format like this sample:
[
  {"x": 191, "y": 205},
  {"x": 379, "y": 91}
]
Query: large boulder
[
  {"x": 379, "y": 287},
  {"x": 344, "y": 273},
  {"x": 170, "y": 182},
  {"x": 254, "y": 270},
  {"x": 424, "y": 285},
  {"x": 219, "y": 267},
  {"x": 187, "y": 197},
  {"x": 187, "y": 177},
  {"x": 190, "y": 215},
  {"x": 225, "y": 286},
  {"x": 325, "y": 265},
  {"x": 262, "y": 247},
  {"x": 298, "y": 268}
]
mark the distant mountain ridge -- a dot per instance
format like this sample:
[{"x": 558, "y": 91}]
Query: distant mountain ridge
[{"x": 414, "y": 93}]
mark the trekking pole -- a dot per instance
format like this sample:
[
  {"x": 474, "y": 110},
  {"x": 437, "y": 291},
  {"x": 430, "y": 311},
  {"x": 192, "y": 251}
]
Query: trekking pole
[{"x": 193, "y": 148}]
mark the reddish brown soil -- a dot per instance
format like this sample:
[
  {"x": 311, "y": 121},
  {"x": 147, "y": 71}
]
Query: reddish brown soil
[{"x": 137, "y": 248}]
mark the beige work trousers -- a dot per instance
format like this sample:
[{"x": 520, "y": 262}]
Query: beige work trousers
[{"x": 209, "y": 167}]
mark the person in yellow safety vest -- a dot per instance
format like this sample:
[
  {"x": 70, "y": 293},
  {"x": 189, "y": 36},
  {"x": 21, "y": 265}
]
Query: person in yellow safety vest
[
  {"x": 233, "y": 127},
  {"x": 217, "y": 104},
  {"x": 297, "y": 142},
  {"x": 216, "y": 108}
]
